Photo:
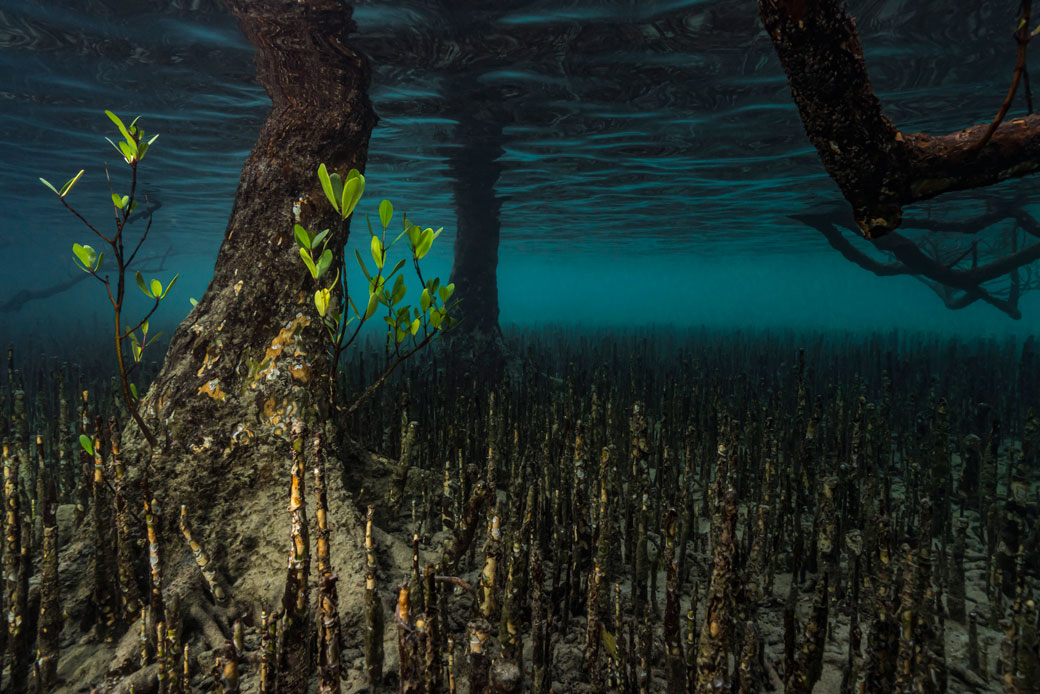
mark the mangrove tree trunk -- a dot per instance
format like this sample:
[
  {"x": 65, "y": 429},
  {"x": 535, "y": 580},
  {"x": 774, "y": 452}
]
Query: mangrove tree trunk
[{"x": 248, "y": 361}]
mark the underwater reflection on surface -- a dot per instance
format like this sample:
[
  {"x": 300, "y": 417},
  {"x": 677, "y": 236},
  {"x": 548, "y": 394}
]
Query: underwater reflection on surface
[{"x": 662, "y": 131}]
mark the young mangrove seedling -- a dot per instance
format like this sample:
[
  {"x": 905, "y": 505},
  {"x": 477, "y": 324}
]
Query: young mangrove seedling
[
  {"x": 410, "y": 327},
  {"x": 123, "y": 251}
]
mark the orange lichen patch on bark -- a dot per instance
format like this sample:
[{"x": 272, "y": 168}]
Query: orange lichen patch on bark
[
  {"x": 301, "y": 371},
  {"x": 278, "y": 415},
  {"x": 287, "y": 336},
  {"x": 212, "y": 355},
  {"x": 212, "y": 389},
  {"x": 285, "y": 342},
  {"x": 271, "y": 412}
]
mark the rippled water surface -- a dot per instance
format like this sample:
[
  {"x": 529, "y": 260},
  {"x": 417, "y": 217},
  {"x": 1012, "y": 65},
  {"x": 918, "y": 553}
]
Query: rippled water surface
[{"x": 652, "y": 153}]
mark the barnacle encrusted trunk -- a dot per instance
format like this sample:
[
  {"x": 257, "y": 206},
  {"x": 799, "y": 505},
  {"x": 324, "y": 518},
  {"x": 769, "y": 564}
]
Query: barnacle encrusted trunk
[{"x": 249, "y": 359}]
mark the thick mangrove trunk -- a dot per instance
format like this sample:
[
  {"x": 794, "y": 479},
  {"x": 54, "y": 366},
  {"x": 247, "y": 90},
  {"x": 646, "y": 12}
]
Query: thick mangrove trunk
[
  {"x": 249, "y": 359},
  {"x": 475, "y": 168}
]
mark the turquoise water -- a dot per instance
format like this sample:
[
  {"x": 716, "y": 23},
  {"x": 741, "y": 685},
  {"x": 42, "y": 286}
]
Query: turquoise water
[{"x": 653, "y": 156}]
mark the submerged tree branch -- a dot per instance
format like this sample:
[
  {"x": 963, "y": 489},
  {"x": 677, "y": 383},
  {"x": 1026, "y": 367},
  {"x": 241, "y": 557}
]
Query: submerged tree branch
[{"x": 879, "y": 168}]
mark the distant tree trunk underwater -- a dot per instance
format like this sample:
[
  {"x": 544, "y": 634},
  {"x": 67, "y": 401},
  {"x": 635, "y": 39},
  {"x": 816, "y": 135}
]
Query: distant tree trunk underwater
[
  {"x": 248, "y": 360},
  {"x": 475, "y": 168},
  {"x": 879, "y": 168}
]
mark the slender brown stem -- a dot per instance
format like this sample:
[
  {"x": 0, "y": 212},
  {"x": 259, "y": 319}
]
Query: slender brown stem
[
  {"x": 386, "y": 373},
  {"x": 1022, "y": 36}
]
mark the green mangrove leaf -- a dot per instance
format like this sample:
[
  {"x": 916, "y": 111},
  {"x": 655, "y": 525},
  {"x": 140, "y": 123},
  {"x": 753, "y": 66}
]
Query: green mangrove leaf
[
  {"x": 87, "y": 444},
  {"x": 326, "y": 185},
  {"x": 321, "y": 301},
  {"x": 68, "y": 185},
  {"x": 135, "y": 346},
  {"x": 401, "y": 334},
  {"x": 119, "y": 124},
  {"x": 337, "y": 190},
  {"x": 142, "y": 149},
  {"x": 373, "y": 304},
  {"x": 194, "y": 301},
  {"x": 414, "y": 236},
  {"x": 368, "y": 275},
  {"x": 377, "y": 252},
  {"x": 398, "y": 291},
  {"x": 436, "y": 316},
  {"x": 141, "y": 285},
  {"x": 47, "y": 183},
  {"x": 425, "y": 241},
  {"x": 416, "y": 324},
  {"x": 397, "y": 266},
  {"x": 320, "y": 239},
  {"x": 353, "y": 306},
  {"x": 352, "y": 191},
  {"x": 324, "y": 262},
  {"x": 133, "y": 391},
  {"x": 117, "y": 201},
  {"x": 309, "y": 262},
  {"x": 425, "y": 300},
  {"x": 397, "y": 238},
  {"x": 156, "y": 287},
  {"x": 303, "y": 237},
  {"x": 86, "y": 255},
  {"x": 128, "y": 154},
  {"x": 144, "y": 328},
  {"x": 155, "y": 337},
  {"x": 169, "y": 286},
  {"x": 114, "y": 145},
  {"x": 446, "y": 291},
  {"x": 386, "y": 213}
]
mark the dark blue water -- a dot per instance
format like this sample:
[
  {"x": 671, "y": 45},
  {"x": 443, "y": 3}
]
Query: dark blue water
[{"x": 653, "y": 156}]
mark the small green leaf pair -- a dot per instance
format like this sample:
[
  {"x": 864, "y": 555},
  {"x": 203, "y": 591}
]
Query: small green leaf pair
[
  {"x": 122, "y": 201},
  {"x": 89, "y": 259},
  {"x": 422, "y": 239},
  {"x": 437, "y": 317},
  {"x": 307, "y": 244},
  {"x": 322, "y": 298},
  {"x": 65, "y": 188},
  {"x": 309, "y": 241},
  {"x": 137, "y": 347},
  {"x": 155, "y": 290},
  {"x": 317, "y": 269},
  {"x": 344, "y": 195}
]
